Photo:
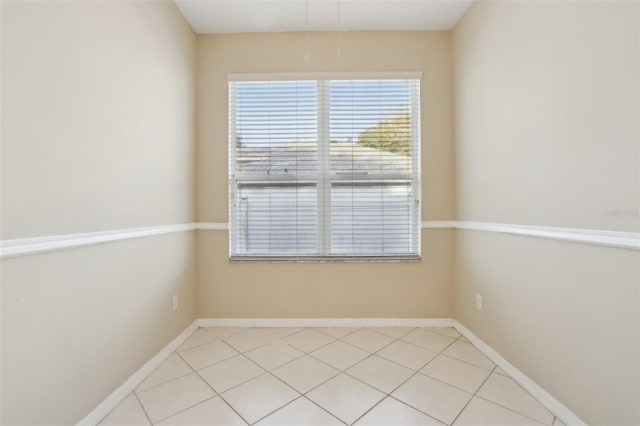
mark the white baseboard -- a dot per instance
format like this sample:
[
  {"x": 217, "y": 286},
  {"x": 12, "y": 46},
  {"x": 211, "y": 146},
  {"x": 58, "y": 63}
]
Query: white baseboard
[
  {"x": 326, "y": 322},
  {"x": 565, "y": 415},
  {"x": 118, "y": 395}
]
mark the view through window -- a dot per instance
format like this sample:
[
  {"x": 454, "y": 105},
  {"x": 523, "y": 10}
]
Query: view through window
[{"x": 324, "y": 168}]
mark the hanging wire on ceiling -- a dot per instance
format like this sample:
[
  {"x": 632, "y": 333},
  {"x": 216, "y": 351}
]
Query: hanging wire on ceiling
[
  {"x": 339, "y": 33},
  {"x": 307, "y": 56}
]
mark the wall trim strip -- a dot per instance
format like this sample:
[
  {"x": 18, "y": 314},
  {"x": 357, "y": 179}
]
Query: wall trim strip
[
  {"x": 326, "y": 322},
  {"x": 563, "y": 413},
  {"x": 129, "y": 385},
  {"x": 212, "y": 226},
  {"x": 28, "y": 246},
  {"x": 556, "y": 407},
  {"x": 627, "y": 240}
]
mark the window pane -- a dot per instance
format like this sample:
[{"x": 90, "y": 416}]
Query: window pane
[
  {"x": 371, "y": 218},
  {"x": 372, "y": 205},
  {"x": 324, "y": 168},
  {"x": 277, "y": 218}
]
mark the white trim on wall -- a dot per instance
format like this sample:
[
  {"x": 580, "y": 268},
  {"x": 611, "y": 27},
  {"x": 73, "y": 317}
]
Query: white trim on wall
[
  {"x": 28, "y": 246},
  {"x": 326, "y": 322},
  {"x": 364, "y": 75},
  {"x": 118, "y": 395},
  {"x": 212, "y": 226},
  {"x": 628, "y": 240}
]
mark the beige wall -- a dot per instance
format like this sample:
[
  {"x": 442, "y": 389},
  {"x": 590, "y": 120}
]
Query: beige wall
[
  {"x": 97, "y": 133},
  {"x": 547, "y": 133},
  {"x": 77, "y": 323},
  {"x": 547, "y": 114},
  {"x": 323, "y": 290},
  {"x": 319, "y": 290},
  {"x": 97, "y": 117}
]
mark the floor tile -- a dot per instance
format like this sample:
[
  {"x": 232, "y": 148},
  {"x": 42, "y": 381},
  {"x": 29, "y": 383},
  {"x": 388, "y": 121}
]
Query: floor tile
[
  {"x": 506, "y": 392},
  {"x": 368, "y": 340},
  {"x": 340, "y": 355},
  {"x": 259, "y": 397},
  {"x": 300, "y": 412},
  {"x": 428, "y": 339},
  {"x": 304, "y": 374},
  {"x": 468, "y": 353},
  {"x": 381, "y": 374},
  {"x": 456, "y": 373},
  {"x": 273, "y": 355},
  {"x": 169, "y": 398},
  {"x": 391, "y": 412},
  {"x": 336, "y": 332},
  {"x": 223, "y": 332},
  {"x": 308, "y": 340},
  {"x": 208, "y": 354},
  {"x": 229, "y": 373},
  {"x": 480, "y": 412},
  {"x": 395, "y": 332},
  {"x": 283, "y": 332},
  {"x": 445, "y": 331},
  {"x": 212, "y": 412},
  {"x": 199, "y": 337},
  {"x": 345, "y": 397},
  {"x": 251, "y": 339},
  {"x": 557, "y": 422},
  {"x": 500, "y": 371},
  {"x": 171, "y": 368},
  {"x": 128, "y": 412},
  {"x": 406, "y": 354},
  {"x": 435, "y": 398}
]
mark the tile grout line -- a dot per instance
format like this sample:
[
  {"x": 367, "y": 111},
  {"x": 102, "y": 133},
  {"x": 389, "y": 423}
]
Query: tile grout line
[
  {"x": 211, "y": 387},
  {"x": 142, "y": 406},
  {"x": 304, "y": 395},
  {"x": 277, "y": 378},
  {"x": 350, "y": 366},
  {"x": 472, "y": 396},
  {"x": 317, "y": 359},
  {"x": 388, "y": 395},
  {"x": 514, "y": 410},
  {"x": 239, "y": 353},
  {"x": 214, "y": 391},
  {"x": 304, "y": 353}
]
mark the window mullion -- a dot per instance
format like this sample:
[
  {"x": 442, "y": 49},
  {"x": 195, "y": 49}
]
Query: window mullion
[
  {"x": 233, "y": 207},
  {"x": 324, "y": 169},
  {"x": 416, "y": 235}
]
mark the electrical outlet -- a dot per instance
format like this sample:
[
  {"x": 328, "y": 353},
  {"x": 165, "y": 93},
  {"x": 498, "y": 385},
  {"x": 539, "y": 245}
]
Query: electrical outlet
[
  {"x": 175, "y": 302},
  {"x": 478, "y": 302}
]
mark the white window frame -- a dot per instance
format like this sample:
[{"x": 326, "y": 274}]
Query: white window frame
[{"x": 324, "y": 178}]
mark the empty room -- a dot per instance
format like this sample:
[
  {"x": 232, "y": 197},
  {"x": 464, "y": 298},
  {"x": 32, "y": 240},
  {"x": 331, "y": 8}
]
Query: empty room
[{"x": 320, "y": 212}]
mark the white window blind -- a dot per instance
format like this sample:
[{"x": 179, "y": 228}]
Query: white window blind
[{"x": 324, "y": 169}]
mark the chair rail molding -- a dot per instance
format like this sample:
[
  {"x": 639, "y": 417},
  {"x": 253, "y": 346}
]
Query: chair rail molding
[
  {"x": 27, "y": 246},
  {"x": 35, "y": 245},
  {"x": 626, "y": 240}
]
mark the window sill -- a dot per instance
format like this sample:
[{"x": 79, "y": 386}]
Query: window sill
[{"x": 325, "y": 259}]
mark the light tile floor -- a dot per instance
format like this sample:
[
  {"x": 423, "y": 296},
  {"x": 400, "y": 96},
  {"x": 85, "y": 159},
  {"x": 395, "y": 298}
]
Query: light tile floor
[{"x": 329, "y": 376}]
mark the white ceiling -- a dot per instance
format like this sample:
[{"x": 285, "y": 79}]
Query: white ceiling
[{"x": 241, "y": 16}]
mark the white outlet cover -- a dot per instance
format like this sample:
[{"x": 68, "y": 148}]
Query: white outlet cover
[{"x": 478, "y": 302}]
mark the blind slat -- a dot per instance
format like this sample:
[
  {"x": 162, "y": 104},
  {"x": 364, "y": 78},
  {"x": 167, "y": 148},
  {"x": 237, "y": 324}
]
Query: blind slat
[{"x": 324, "y": 168}]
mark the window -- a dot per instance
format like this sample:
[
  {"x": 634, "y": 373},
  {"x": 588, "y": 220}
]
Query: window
[{"x": 324, "y": 168}]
